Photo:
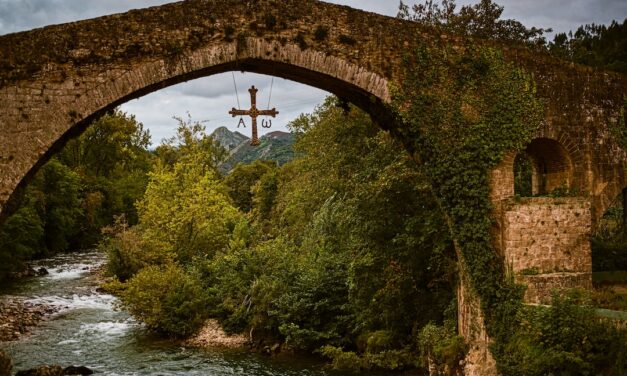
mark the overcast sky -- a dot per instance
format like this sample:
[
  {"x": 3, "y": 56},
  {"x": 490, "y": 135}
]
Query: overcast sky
[{"x": 209, "y": 99}]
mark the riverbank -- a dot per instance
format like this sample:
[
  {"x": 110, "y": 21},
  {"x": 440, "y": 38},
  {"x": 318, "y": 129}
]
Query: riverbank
[
  {"x": 212, "y": 335},
  {"x": 18, "y": 317},
  {"x": 89, "y": 328}
]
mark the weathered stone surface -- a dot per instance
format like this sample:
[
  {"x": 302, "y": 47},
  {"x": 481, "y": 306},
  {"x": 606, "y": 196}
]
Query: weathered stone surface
[
  {"x": 479, "y": 360},
  {"x": 540, "y": 287},
  {"x": 54, "y": 81},
  {"x": 545, "y": 243},
  {"x": 547, "y": 235}
]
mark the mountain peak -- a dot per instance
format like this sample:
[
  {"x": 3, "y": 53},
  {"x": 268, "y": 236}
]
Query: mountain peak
[
  {"x": 229, "y": 140},
  {"x": 275, "y": 146}
]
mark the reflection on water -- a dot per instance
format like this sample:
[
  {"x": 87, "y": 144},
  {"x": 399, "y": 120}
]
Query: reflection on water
[{"x": 89, "y": 331}]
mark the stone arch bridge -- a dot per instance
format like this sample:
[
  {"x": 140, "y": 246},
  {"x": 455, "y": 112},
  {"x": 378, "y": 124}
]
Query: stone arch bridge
[{"x": 56, "y": 80}]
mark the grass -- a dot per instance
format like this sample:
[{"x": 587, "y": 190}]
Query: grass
[
  {"x": 611, "y": 314},
  {"x": 617, "y": 276}
]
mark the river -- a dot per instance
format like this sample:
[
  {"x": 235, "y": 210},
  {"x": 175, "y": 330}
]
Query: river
[{"x": 89, "y": 331}]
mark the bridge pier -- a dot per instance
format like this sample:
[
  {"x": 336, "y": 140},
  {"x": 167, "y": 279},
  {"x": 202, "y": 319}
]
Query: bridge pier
[
  {"x": 545, "y": 244},
  {"x": 544, "y": 241},
  {"x": 471, "y": 325}
]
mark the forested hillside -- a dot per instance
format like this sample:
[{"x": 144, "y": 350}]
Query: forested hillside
[{"x": 275, "y": 146}]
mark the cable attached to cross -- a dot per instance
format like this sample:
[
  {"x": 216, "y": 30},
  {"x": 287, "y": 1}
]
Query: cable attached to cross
[{"x": 241, "y": 118}]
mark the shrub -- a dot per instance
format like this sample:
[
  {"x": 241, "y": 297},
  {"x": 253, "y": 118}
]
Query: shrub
[
  {"x": 244, "y": 283},
  {"x": 440, "y": 346},
  {"x": 565, "y": 339},
  {"x": 350, "y": 361},
  {"x": 342, "y": 360},
  {"x": 167, "y": 299},
  {"x": 128, "y": 252}
]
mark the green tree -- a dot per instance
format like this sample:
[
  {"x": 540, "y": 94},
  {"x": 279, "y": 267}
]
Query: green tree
[
  {"x": 20, "y": 239},
  {"x": 129, "y": 251},
  {"x": 114, "y": 143},
  {"x": 112, "y": 160},
  {"x": 60, "y": 205},
  {"x": 594, "y": 45},
  {"x": 191, "y": 139},
  {"x": 482, "y": 20},
  {"x": 49, "y": 214},
  {"x": 187, "y": 209},
  {"x": 358, "y": 235},
  {"x": 167, "y": 299},
  {"x": 241, "y": 180}
]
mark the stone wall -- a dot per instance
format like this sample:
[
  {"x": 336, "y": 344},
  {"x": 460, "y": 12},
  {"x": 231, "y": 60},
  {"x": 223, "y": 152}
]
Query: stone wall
[{"x": 545, "y": 243}]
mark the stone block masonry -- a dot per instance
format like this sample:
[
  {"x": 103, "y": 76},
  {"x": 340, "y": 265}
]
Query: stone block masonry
[{"x": 545, "y": 243}]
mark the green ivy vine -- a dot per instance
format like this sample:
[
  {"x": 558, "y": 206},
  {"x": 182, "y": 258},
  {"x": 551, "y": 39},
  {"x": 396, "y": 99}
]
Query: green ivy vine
[{"x": 463, "y": 109}]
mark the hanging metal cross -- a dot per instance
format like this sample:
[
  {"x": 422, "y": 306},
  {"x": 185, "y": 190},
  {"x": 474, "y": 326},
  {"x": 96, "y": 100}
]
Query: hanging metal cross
[{"x": 253, "y": 113}]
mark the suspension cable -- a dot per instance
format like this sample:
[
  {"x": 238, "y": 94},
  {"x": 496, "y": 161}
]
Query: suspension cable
[
  {"x": 239, "y": 107},
  {"x": 270, "y": 97}
]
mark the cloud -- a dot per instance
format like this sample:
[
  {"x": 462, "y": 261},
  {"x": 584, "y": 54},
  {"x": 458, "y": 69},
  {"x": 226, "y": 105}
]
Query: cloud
[
  {"x": 209, "y": 99},
  {"x": 20, "y": 15}
]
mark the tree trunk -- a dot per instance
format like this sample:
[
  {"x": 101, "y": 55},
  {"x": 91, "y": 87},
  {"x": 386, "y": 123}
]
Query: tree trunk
[{"x": 625, "y": 214}]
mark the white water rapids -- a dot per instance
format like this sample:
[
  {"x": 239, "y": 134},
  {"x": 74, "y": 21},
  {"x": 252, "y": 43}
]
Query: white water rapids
[{"x": 88, "y": 330}]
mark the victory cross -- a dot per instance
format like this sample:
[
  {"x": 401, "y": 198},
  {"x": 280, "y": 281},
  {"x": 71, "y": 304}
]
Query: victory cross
[{"x": 253, "y": 113}]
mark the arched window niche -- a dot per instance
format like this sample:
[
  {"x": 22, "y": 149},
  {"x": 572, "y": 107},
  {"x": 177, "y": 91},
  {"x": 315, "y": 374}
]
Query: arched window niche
[{"x": 543, "y": 168}]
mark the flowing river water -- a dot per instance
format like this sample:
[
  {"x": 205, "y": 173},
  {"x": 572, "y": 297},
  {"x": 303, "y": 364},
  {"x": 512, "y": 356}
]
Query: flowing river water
[{"x": 89, "y": 331}]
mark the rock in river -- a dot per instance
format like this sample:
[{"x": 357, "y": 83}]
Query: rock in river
[{"x": 42, "y": 371}]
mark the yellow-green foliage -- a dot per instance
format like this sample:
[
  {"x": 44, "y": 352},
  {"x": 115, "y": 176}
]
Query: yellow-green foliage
[
  {"x": 167, "y": 299},
  {"x": 186, "y": 208},
  {"x": 128, "y": 251}
]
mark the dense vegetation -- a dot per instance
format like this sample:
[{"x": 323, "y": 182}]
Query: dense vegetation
[
  {"x": 341, "y": 251},
  {"x": 598, "y": 46},
  {"x": 449, "y": 101},
  {"x": 594, "y": 45},
  {"x": 75, "y": 194}
]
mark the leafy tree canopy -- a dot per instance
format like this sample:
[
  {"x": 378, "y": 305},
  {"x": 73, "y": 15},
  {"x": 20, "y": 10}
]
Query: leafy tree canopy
[
  {"x": 594, "y": 45},
  {"x": 482, "y": 20}
]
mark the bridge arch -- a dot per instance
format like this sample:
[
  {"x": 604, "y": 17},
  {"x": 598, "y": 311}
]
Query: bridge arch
[
  {"x": 89, "y": 95},
  {"x": 551, "y": 166}
]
